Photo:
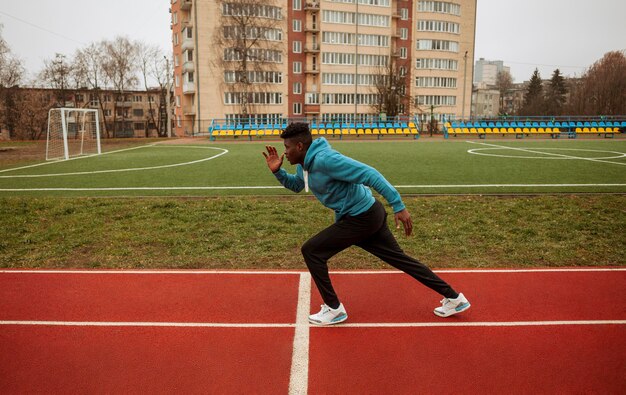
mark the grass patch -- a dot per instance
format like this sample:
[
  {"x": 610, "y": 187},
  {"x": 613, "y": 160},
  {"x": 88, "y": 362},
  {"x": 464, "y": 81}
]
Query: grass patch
[{"x": 267, "y": 232}]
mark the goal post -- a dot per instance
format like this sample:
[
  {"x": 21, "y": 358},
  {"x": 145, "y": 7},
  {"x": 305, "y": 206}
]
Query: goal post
[{"x": 72, "y": 132}]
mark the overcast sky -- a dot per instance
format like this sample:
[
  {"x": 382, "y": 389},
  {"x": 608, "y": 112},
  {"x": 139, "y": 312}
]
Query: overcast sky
[{"x": 547, "y": 34}]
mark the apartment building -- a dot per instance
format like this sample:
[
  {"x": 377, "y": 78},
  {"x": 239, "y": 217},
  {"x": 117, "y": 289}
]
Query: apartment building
[{"x": 265, "y": 60}]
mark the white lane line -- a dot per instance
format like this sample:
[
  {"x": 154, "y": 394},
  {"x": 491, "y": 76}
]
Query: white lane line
[
  {"x": 75, "y": 158},
  {"x": 300, "y": 356},
  {"x": 482, "y": 324},
  {"x": 547, "y": 153},
  {"x": 147, "y": 324},
  {"x": 298, "y": 272},
  {"x": 224, "y": 151},
  {"x": 299, "y": 376}
]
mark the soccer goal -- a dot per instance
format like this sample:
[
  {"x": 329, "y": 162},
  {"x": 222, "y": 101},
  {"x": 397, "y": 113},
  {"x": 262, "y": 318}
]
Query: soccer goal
[{"x": 72, "y": 132}]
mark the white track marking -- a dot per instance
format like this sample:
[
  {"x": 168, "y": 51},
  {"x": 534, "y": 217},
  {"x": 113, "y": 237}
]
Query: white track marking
[
  {"x": 224, "y": 151},
  {"x": 300, "y": 372},
  {"x": 299, "y": 376},
  {"x": 547, "y": 153},
  {"x": 147, "y": 324},
  {"x": 260, "y": 187},
  {"x": 481, "y": 324},
  {"x": 75, "y": 158},
  {"x": 299, "y": 272}
]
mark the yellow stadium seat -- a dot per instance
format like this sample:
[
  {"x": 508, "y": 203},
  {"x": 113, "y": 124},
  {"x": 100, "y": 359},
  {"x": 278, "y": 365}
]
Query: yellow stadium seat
[
  {"x": 406, "y": 131},
  {"x": 314, "y": 131},
  {"x": 375, "y": 131},
  {"x": 399, "y": 131},
  {"x": 322, "y": 131},
  {"x": 473, "y": 131},
  {"x": 368, "y": 131},
  {"x": 414, "y": 131},
  {"x": 352, "y": 131},
  {"x": 383, "y": 130}
]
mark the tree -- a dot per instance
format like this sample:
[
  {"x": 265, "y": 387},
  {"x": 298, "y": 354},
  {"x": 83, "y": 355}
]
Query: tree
[
  {"x": 504, "y": 83},
  {"x": 390, "y": 86},
  {"x": 601, "y": 89},
  {"x": 89, "y": 70},
  {"x": 57, "y": 73},
  {"x": 251, "y": 45},
  {"x": 152, "y": 65},
  {"x": 11, "y": 74},
  {"x": 555, "y": 94},
  {"x": 533, "y": 99},
  {"x": 120, "y": 66}
]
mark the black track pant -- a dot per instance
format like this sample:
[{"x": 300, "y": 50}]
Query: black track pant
[{"x": 369, "y": 231}]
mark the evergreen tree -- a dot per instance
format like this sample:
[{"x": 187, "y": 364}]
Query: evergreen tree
[
  {"x": 555, "y": 95},
  {"x": 533, "y": 99}
]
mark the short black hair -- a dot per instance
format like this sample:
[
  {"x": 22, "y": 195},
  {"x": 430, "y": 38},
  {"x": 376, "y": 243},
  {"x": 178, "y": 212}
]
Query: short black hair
[{"x": 299, "y": 131}]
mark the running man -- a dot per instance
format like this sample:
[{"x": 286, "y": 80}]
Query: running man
[{"x": 341, "y": 184}]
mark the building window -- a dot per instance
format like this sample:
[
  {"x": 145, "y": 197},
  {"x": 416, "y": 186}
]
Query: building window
[
  {"x": 297, "y": 25},
  {"x": 404, "y": 33},
  {"x": 297, "y": 108},
  {"x": 403, "y": 52},
  {"x": 297, "y": 4},
  {"x": 297, "y": 67},
  {"x": 404, "y": 14},
  {"x": 297, "y": 88},
  {"x": 297, "y": 46}
]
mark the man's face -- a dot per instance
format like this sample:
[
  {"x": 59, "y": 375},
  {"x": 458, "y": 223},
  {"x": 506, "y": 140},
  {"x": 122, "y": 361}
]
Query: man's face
[{"x": 294, "y": 151}]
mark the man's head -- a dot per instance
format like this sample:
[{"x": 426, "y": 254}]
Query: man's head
[{"x": 297, "y": 138}]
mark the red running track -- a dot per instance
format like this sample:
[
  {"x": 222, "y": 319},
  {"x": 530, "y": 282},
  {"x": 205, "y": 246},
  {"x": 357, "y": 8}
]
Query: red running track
[{"x": 208, "y": 332}]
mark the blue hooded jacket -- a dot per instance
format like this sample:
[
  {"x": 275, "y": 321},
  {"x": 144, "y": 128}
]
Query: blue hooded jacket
[{"x": 338, "y": 182}]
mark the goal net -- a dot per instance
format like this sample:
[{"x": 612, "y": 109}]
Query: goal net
[{"x": 72, "y": 132}]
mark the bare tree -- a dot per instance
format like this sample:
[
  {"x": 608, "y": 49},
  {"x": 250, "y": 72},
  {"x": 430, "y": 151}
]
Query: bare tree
[
  {"x": 390, "y": 86},
  {"x": 250, "y": 44},
  {"x": 504, "y": 84},
  {"x": 152, "y": 66},
  {"x": 11, "y": 74},
  {"x": 57, "y": 74},
  {"x": 89, "y": 69},
  {"x": 120, "y": 66},
  {"x": 32, "y": 114},
  {"x": 602, "y": 89}
]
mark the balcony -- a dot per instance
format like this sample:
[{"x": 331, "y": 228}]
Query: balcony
[
  {"x": 186, "y": 4},
  {"x": 187, "y": 44},
  {"x": 311, "y": 70},
  {"x": 313, "y": 28},
  {"x": 189, "y": 88},
  {"x": 312, "y": 6},
  {"x": 188, "y": 66},
  {"x": 396, "y": 14},
  {"x": 123, "y": 104},
  {"x": 189, "y": 110},
  {"x": 314, "y": 47},
  {"x": 187, "y": 23}
]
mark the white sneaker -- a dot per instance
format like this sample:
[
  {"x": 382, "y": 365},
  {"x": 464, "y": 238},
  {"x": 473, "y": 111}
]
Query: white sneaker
[
  {"x": 452, "y": 306},
  {"x": 328, "y": 316}
]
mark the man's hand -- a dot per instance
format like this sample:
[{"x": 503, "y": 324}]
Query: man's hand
[
  {"x": 404, "y": 217},
  {"x": 274, "y": 162}
]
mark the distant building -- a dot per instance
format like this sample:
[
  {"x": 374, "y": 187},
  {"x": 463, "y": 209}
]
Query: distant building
[
  {"x": 485, "y": 101},
  {"x": 486, "y": 71},
  {"x": 133, "y": 114}
]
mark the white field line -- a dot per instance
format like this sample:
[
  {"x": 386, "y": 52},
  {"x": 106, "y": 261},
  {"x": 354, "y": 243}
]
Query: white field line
[
  {"x": 200, "y": 188},
  {"x": 307, "y": 326},
  {"x": 299, "y": 376},
  {"x": 224, "y": 151},
  {"x": 298, "y": 272},
  {"x": 75, "y": 158},
  {"x": 547, "y": 153}
]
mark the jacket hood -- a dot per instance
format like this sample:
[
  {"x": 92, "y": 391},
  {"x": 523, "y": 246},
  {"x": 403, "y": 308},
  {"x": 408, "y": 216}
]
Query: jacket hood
[{"x": 318, "y": 145}]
